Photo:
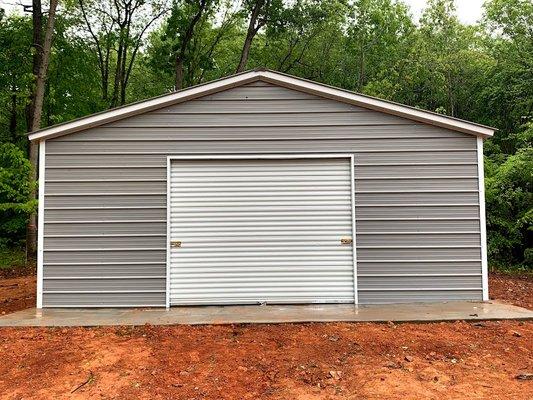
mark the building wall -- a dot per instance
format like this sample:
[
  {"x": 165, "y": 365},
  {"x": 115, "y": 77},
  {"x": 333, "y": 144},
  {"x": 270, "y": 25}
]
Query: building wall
[{"x": 416, "y": 195}]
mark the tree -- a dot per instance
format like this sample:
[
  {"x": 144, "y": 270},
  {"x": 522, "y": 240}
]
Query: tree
[
  {"x": 35, "y": 119},
  {"x": 41, "y": 71},
  {"x": 508, "y": 88},
  {"x": 15, "y": 77},
  {"x": 180, "y": 27},
  {"x": 298, "y": 28},
  {"x": 117, "y": 29},
  {"x": 261, "y": 12},
  {"x": 378, "y": 32},
  {"x": 73, "y": 83},
  {"x": 206, "y": 54},
  {"x": 509, "y": 194},
  {"x": 16, "y": 188},
  {"x": 37, "y": 44}
]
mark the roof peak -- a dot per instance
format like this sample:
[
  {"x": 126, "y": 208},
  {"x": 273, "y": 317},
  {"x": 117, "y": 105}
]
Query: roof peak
[{"x": 277, "y": 78}]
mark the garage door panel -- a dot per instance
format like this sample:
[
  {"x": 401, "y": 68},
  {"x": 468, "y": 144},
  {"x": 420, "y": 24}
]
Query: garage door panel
[{"x": 260, "y": 231}]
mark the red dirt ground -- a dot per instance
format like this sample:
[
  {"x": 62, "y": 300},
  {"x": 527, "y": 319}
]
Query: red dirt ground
[
  {"x": 286, "y": 361},
  {"x": 17, "y": 294},
  {"x": 483, "y": 360},
  {"x": 513, "y": 289}
]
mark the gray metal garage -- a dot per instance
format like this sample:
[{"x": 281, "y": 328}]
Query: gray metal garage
[{"x": 261, "y": 187}]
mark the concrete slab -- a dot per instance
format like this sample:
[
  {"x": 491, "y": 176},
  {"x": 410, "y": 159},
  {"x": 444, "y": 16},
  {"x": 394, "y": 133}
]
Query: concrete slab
[{"x": 415, "y": 312}]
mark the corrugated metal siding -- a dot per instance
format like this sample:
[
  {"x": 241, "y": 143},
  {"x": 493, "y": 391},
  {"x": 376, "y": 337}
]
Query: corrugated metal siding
[
  {"x": 416, "y": 191},
  {"x": 252, "y": 231}
]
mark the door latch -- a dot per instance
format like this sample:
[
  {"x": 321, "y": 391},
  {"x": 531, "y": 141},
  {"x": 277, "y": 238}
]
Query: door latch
[
  {"x": 346, "y": 241},
  {"x": 175, "y": 243}
]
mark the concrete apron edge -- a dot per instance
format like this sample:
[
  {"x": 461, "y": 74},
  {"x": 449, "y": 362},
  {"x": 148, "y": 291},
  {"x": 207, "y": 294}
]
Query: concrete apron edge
[{"x": 269, "y": 314}]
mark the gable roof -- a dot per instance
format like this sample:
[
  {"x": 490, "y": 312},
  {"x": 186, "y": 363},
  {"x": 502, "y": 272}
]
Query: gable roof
[{"x": 276, "y": 78}]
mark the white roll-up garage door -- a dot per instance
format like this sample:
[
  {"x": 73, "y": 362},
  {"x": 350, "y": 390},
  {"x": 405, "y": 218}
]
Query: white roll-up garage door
[{"x": 247, "y": 231}]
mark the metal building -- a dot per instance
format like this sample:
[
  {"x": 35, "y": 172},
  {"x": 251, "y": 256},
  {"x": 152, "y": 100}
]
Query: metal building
[{"x": 261, "y": 187}]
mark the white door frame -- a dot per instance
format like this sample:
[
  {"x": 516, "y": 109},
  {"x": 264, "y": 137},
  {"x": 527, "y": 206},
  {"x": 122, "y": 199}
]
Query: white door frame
[{"x": 260, "y": 157}]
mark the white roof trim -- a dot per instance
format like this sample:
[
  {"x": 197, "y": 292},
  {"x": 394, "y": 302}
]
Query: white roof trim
[{"x": 272, "y": 77}]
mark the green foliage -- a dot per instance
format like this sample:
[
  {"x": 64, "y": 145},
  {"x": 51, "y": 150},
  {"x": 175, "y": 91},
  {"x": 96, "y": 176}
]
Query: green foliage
[
  {"x": 15, "y": 77},
  {"x": 509, "y": 199},
  {"x": 12, "y": 257},
  {"x": 481, "y": 72},
  {"x": 15, "y": 190}
]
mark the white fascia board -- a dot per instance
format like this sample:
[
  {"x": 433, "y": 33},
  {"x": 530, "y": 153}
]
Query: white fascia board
[
  {"x": 144, "y": 106},
  {"x": 271, "y": 77},
  {"x": 377, "y": 104}
]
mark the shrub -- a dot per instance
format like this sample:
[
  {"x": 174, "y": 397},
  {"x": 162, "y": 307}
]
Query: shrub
[
  {"x": 15, "y": 194},
  {"x": 509, "y": 200}
]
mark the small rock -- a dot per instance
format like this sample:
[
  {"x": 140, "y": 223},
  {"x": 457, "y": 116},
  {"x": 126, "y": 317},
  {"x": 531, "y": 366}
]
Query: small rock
[
  {"x": 391, "y": 365},
  {"x": 241, "y": 368},
  {"x": 409, "y": 358},
  {"x": 334, "y": 338},
  {"x": 454, "y": 361},
  {"x": 526, "y": 376},
  {"x": 479, "y": 324},
  {"x": 517, "y": 334},
  {"x": 335, "y": 374}
]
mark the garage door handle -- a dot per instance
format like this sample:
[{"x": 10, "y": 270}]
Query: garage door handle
[
  {"x": 175, "y": 243},
  {"x": 346, "y": 241}
]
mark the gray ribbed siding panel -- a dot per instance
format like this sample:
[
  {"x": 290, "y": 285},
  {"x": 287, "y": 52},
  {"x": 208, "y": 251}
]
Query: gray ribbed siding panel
[{"x": 416, "y": 191}]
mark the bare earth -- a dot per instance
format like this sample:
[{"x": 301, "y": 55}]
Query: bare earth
[
  {"x": 513, "y": 289},
  {"x": 17, "y": 294},
  {"x": 484, "y": 360}
]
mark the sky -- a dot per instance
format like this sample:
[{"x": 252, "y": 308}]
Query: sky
[{"x": 469, "y": 11}]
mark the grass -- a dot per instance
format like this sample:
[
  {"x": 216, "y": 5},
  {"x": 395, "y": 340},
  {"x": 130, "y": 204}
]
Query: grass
[
  {"x": 12, "y": 257},
  {"x": 519, "y": 269}
]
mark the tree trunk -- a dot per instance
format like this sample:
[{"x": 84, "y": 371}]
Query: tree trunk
[
  {"x": 123, "y": 75},
  {"x": 118, "y": 78},
  {"x": 179, "y": 74},
  {"x": 37, "y": 22},
  {"x": 103, "y": 60},
  {"x": 245, "y": 53},
  {"x": 250, "y": 34},
  {"x": 185, "y": 43},
  {"x": 38, "y": 99}
]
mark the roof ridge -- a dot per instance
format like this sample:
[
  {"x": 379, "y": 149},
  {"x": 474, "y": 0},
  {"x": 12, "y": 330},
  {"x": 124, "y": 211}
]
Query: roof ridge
[{"x": 274, "y": 77}]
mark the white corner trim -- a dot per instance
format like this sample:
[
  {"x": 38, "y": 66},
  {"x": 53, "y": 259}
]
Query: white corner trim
[
  {"x": 40, "y": 224},
  {"x": 354, "y": 232},
  {"x": 272, "y": 77},
  {"x": 482, "y": 220},
  {"x": 167, "y": 297}
]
